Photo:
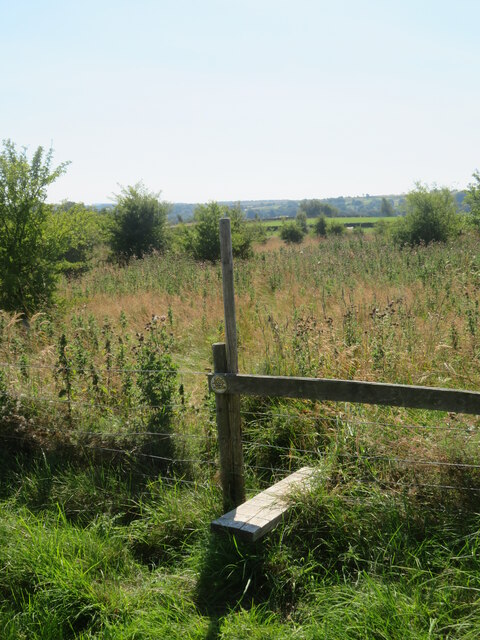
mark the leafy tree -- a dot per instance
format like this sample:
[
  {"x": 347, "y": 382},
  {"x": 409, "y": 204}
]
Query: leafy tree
[
  {"x": 139, "y": 223},
  {"x": 380, "y": 228},
  {"x": 28, "y": 253},
  {"x": 321, "y": 226},
  {"x": 301, "y": 219},
  {"x": 431, "y": 216},
  {"x": 386, "y": 208},
  {"x": 203, "y": 241},
  {"x": 78, "y": 230},
  {"x": 472, "y": 198},
  {"x": 291, "y": 232},
  {"x": 336, "y": 228},
  {"x": 315, "y": 208}
]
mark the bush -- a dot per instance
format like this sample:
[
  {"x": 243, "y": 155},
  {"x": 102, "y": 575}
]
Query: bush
[
  {"x": 381, "y": 228},
  {"x": 140, "y": 223},
  {"x": 291, "y": 232},
  {"x": 301, "y": 220},
  {"x": 431, "y": 216},
  {"x": 336, "y": 228},
  {"x": 321, "y": 226},
  {"x": 203, "y": 241},
  {"x": 28, "y": 253},
  {"x": 78, "y": 231},
  {"x": 472, "y": 198}
]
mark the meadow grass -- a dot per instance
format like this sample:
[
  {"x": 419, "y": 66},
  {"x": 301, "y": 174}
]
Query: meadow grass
[{"x": 109, "y": 458}]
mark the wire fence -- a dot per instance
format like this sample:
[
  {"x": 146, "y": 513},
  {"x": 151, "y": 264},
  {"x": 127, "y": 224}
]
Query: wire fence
[{"x": 264, "y": 460}]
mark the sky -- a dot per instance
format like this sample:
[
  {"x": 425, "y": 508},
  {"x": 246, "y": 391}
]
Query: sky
[{"x": 244, "y": 99}]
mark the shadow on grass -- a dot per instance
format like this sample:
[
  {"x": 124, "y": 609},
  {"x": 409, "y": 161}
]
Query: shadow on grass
[
  {"x": 233, "y": 574},
  {"x": 82, "y": 483}
]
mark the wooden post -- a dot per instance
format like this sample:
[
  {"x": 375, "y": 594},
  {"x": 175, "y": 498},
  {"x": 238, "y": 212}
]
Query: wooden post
[
  {"x": 231, "y": 457},
  {"x": 226, "y": 255},
  {"x": 225, "y": 359}
]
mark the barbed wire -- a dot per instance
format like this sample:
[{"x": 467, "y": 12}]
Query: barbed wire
[
  {"x": 58, "y": 368},
  {"x": 379, "y": 457},
  {"x": 129, "y": 452},
  {"x": 346, "y": 420},
  {"x": 96, "y": 405},
  {"x": 279, "y": 470},
  {"x": 334, "y": 420}
]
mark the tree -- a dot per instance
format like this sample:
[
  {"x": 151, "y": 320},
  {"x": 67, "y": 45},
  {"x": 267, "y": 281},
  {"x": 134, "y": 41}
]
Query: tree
[
  {"x": 291, "y": 232},
  {"x": 386, "y": 208},
  {"x": 431, "y": 216},
  {"x": 315, "y": 208},
  {"x": 28, "y": 253},
  {"x": 78, "y": 231},
  {"x": 204, "y": 240},
  {"x": 336, "y": 228},
  {"x": 321, "y": 226},
  {"x": 301, "y": 220},
  {"x": 472, "y": 198},
  {"x": 139, "y": 223}
]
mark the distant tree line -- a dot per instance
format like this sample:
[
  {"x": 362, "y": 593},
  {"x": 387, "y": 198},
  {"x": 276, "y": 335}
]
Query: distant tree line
[{"x": 38, "y": 241}]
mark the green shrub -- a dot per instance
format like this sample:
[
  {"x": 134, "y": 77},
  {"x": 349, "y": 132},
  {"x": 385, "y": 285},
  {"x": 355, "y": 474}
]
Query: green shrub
[
  {"x": 431, "y": 216},
  {"x": 301, "y": 220},
  {"x": 140, "y": 223},
  {"x": 336, "y": 228},
  {"x": 291, "y": 232},
  {"x": 28, "y": 253},
  {"x": 203, "y": 240},
  {"x": 472, "y": 197},
  {"x": 321, "y": 226},
  {"x": 78, "y": 231}
]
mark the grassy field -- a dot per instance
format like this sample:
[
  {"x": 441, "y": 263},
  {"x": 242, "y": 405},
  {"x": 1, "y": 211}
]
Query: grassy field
[
  {"x": 109, "y": 461},
  {"x": 346, "y": 220}
]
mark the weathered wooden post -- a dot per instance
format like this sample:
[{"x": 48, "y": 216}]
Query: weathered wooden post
[{"x": 225, "y": 360}]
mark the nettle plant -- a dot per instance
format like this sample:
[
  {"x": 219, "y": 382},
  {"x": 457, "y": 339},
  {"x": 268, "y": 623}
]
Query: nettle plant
[
  {"x": 157, "y": 375},
  {"x": 157, "y": 380}
]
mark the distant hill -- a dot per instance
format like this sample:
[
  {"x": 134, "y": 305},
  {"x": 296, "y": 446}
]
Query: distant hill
[
  {"x": 268, "y": 209},
  {"x": 347, "y": 206}
]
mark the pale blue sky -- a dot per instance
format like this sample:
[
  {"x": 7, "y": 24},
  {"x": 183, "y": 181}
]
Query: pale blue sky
[{"x": 244, "y": 99}]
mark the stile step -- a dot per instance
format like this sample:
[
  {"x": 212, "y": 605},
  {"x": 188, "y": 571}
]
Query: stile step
[{"x": 259, "y": 515}]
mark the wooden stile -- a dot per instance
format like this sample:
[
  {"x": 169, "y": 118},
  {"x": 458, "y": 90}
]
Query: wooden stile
[
  {"x": 254, "y": 518},
  {"x": 321, "y": 389},
  {"x": 228, "y": 406},
  {"x": 259, "y": 515}
]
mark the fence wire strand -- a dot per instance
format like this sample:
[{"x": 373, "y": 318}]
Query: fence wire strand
[{"x": 293, "y": 454}]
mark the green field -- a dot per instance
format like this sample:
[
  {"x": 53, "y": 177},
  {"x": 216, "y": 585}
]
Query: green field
[
  {"x": 346, "y": 220},
  {"x": 109, "y": 458}
]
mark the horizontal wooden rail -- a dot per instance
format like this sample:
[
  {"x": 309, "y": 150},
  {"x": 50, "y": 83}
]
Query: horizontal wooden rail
[{"x": 395, "y": 395}]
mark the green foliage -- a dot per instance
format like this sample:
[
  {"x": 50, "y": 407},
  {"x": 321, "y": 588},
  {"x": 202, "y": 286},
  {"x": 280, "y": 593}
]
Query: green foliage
[
  {"x": 203, "y": 241},
  {"x": 431, "y": 216},
  {"x": 386, "y": 208},
  {"x": 301, "y": 220},
  {"x": 336, "y": 228},
  {"x": 291, "y": 232},
  {"x": 157, "y": 378},
  {"x": 315, "y": 208},
  {"x": 140, "y": 223},
  {"x": 28, "y": 252},
  {"x": 321, "y": 226},
  {"x": 380, "y": 228},
  {"x": 78, "y": 231},
  {"x": 472, "y": 198}
]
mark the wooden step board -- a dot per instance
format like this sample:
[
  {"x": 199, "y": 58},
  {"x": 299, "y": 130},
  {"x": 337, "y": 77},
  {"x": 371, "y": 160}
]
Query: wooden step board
[{"x": 259, "y": 515}]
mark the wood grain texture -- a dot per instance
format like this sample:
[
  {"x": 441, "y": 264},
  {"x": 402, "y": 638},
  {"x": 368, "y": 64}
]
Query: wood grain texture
[
  {"x": 259, "y": 515},
  {"x": 226, "y": 255},
  {"x": 395, "y": 395},
  {"x": 229, "y": 437}
]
